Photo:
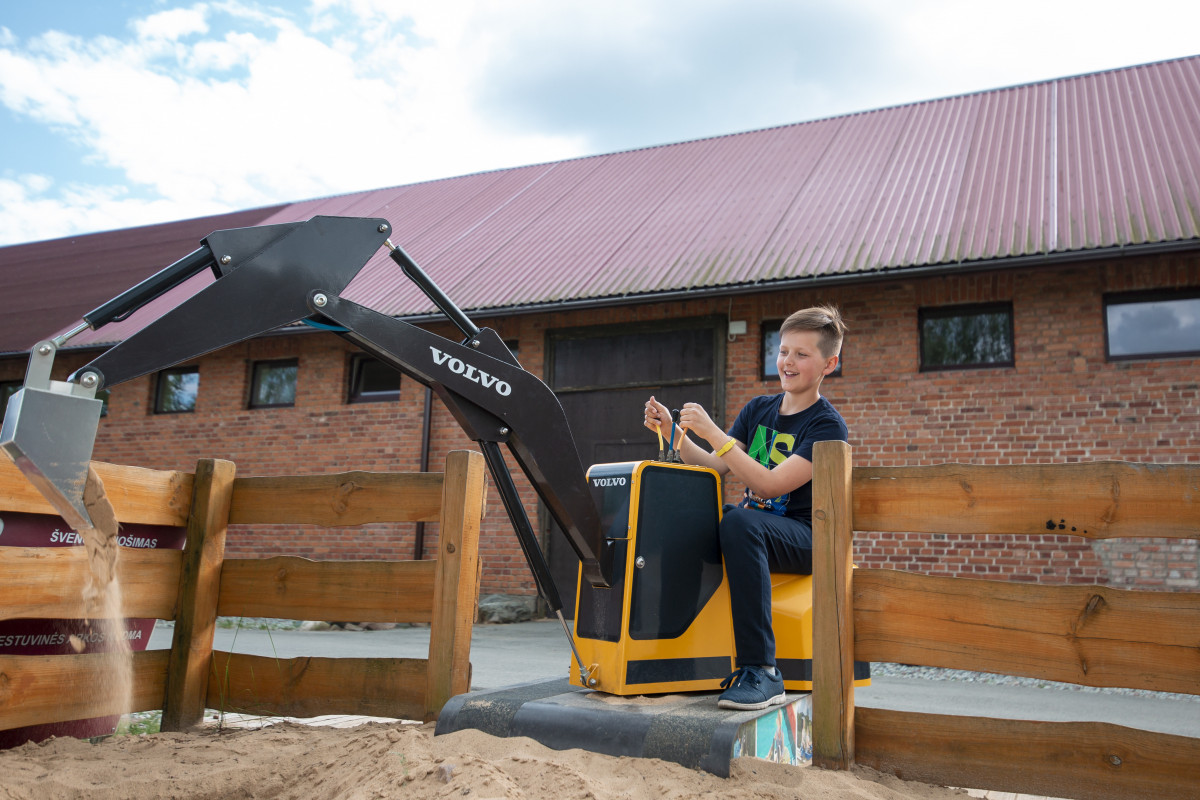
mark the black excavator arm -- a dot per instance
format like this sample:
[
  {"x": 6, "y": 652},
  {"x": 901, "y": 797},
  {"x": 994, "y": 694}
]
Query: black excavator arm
[{"x": 277, "y": 275}]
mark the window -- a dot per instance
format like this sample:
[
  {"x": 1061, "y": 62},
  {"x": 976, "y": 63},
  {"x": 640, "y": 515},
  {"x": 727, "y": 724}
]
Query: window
[
  {"x": 7, "y": 390},
  {"x": 372, "y": 381},
  {"x": 770, "y": 349},
  {"x": 957, "y": 337},
  {"x": 273, "y": 384},
  {"x": 1147, "y": 325},
  {"x": 176, "y": 390}
]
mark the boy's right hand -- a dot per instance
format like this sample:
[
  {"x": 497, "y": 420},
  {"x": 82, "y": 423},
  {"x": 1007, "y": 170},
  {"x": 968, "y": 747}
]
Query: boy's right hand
[{"x": 658, "y": 417}]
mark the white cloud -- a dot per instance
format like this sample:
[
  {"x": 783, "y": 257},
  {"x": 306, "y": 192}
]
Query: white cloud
[
  {"x": 35, "y": 209},
  {"x": 264, "y": 114},
  {"x": 235, "y": 50},
  {"x": 955, "y": 47},
  {"x": 172, "y": 25}
]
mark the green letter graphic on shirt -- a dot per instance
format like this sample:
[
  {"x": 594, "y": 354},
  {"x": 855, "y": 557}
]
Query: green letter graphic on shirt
[{"x": 770, "y": 447}]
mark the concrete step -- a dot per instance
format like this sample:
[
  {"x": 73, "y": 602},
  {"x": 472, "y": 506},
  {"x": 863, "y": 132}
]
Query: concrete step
[{"x": 686, "y": 729}]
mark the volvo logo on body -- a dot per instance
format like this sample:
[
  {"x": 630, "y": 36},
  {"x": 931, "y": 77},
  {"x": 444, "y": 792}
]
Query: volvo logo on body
[
  {"x": 471, "y": 373},
  {"x": 608, "y": 481}
]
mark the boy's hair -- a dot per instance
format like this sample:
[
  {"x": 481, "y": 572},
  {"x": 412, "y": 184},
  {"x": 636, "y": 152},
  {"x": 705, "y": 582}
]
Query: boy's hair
[{"x": 825, "y": 320}]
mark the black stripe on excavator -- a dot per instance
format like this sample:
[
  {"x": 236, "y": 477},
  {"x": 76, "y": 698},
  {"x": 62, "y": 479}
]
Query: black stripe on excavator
[
  {"x": 800, "y": 669},
  {"x": 665, "y": 670}
]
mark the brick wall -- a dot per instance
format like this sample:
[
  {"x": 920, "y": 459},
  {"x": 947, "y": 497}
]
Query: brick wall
[{"x": 1061, "y": 402}]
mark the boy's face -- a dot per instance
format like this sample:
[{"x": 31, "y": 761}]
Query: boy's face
[{"x": 800, "y": 362}]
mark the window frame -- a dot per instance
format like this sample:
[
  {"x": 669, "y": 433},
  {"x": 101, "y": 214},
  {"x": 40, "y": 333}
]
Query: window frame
[
  {"x": 962, "y": 310},
  {"x": 254, "y": 381},
  {"x": 4, "y": 386},
  {"x": 158, "y": 389},
  {"x": 1145, "y": 296},
  {"x": 356, "y": 396},
  {"x": 769, "y": 328}
]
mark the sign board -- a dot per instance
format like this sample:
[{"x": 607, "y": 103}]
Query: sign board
[{"x": 38, "y": 637}]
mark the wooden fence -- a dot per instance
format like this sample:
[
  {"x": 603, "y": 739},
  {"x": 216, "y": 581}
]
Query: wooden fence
[
  {"x": 196, "y": 585},
  {"x": 1088, "y": 635}
]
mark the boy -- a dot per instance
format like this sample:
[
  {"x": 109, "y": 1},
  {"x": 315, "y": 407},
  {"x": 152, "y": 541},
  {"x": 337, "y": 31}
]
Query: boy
[{"x": 769, "y": 448}]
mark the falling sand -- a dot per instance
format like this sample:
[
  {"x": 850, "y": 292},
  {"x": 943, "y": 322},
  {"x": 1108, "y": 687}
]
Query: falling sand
[{"x": 112, "y": 676}]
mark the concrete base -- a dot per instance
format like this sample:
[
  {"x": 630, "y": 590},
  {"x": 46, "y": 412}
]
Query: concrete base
[{"x": 688, "y": 729}]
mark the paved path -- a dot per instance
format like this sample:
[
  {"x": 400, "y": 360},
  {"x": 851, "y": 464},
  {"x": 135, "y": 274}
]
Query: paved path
[{"x": 502, "y": 655}]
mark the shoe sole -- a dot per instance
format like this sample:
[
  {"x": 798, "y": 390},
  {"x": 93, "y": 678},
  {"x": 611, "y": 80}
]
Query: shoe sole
[{"x": 777, "y": 700}]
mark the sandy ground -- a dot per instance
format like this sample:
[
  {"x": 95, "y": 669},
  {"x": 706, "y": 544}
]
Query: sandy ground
[{"x": 399, "y": 760}]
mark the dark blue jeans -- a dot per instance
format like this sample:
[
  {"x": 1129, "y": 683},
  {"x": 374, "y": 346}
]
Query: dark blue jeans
[{"x": 754, "y": 544}]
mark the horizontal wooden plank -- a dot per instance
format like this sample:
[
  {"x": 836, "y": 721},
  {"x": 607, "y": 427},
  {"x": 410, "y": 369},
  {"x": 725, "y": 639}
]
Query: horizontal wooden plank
[
  {"x": 138, "y": 495},
  {"x": 289, "y": 587},
  {"x": 1090, "y": 635},
  {"x": 42, "y": 689},
  {"x": 309, "y": 686},
  {"x": 1085, "y": 760},
  {"x": 1098, "y": 500},
  {"x": 342, "y": 499},
  {"x": 48, "y": 582}
]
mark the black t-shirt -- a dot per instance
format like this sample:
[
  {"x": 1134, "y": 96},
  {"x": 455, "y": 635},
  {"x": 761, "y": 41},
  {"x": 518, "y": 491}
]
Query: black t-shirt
[{"x": 771, "y": 437}]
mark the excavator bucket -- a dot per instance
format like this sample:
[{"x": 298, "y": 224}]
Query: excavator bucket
[{"x": 49, "y": 431}]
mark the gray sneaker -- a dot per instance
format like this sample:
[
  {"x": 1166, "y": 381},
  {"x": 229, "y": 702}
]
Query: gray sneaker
[{"x": 751, "y": 688}]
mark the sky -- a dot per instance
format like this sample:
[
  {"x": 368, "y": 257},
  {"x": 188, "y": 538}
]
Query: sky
[{"x": 118, "y": 113}]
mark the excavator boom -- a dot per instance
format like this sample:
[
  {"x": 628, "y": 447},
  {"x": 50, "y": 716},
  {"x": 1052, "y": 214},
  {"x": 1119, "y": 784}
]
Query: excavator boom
[{"x": 273, "y": 276}]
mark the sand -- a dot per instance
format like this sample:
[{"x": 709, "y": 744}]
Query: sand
[{"x": 399, "y": 760}]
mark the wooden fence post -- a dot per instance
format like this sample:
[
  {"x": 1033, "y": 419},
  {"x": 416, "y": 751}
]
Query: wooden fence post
[
  {"x": 199, "y": 589},
  {"x": 833, "y": 609},
  {"x": 456, "y": 582}
]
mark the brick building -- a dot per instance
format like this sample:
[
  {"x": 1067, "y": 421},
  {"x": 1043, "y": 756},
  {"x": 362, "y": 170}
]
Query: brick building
[{"x": 1020, "y": 270}]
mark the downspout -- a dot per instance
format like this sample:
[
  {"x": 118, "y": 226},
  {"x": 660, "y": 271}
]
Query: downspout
[{"x": 426, "y": 424}]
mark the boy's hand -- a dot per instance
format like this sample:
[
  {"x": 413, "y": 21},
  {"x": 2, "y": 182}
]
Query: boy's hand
[
  {"x": 694, "y": 418},
  {"x": 658, "y": 417}
]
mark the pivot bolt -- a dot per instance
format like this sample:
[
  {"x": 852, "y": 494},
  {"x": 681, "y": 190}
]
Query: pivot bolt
[
  {"x": 383, "y": 228},
  {"x": 88, "y": 380},
  {"x": 475, "y": 343},
  {"x": 319, "y": 300},
  {"x": 226, "y": 259},
  {"x": 44, "y": 349},
  {"x": 503, "y": 431}
]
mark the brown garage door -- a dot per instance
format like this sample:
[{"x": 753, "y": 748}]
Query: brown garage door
[{"x": 603, "y": 375}]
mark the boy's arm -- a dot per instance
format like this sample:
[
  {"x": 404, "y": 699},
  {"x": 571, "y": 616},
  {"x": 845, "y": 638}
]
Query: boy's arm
[
  {"x": 794, "y": 472},
  {"x": 693, "y": 453}
]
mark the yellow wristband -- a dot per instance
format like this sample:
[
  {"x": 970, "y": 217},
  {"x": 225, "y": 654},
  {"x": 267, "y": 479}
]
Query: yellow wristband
[{"x": 725, "y": 448}]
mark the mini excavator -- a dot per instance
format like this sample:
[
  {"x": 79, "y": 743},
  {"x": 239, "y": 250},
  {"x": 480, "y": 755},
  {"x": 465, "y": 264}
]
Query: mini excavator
[{"x": 652, "y": 610}]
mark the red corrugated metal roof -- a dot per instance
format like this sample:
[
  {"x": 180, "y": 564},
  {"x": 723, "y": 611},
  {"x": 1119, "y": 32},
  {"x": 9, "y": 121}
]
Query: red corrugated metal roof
[
  {"x": 50, "y": 285},
  {"x": 1090, "y": 162}
]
